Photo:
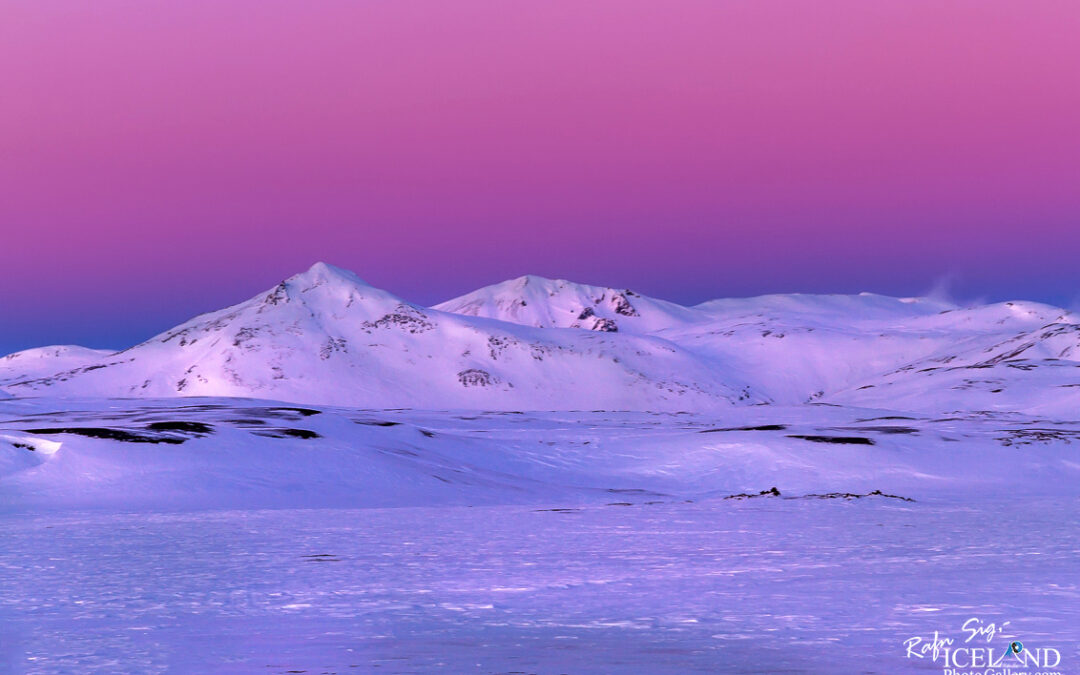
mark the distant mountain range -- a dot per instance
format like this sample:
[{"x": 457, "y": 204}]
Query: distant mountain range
[{"x": 327, "y": 337}]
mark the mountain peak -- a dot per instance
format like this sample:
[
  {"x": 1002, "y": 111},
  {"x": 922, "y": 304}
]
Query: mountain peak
[{"x": 324, "y": 273}]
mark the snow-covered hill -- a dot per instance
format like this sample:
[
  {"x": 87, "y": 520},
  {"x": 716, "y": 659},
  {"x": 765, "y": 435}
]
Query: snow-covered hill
[
  {"x": 44, "y": 361},
  {"x": 325, "y": 336},
  {"x": 549, "y": 303},
  {"x": 1016, "y": 356}
]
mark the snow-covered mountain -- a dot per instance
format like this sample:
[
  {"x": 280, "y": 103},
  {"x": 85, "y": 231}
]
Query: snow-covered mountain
[
  {"x": 550, "y": 303},
  {"x": 326, "y": 336}
]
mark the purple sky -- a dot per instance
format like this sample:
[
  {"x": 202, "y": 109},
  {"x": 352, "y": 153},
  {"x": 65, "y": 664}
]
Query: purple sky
[{"x": 159, "y": 159}]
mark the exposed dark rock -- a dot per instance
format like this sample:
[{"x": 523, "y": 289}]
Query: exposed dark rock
[
  {"x": 883, "y": 429},
  {"x": 279, "y": 295},
  {"x": 1016, "y": 437},
  {"x": 304, "y": 412},
  {"x": 474, "y": 377},
  {"x": 333, "y": 345},
  {"x": 605, "y": 326},
  {"x": 405, "y": 317},
  {"x": 771, "y": 492},
  {"x": 850, "y": 495},
  {"x": 187, "y": 427},
  {"x": 288, "y": 433},
  {"x": 763, "y": 427},
  {"x": 842, "y": 440},
  {"x": 109, "y": 434},
  {"x": 622, "y": 306}
]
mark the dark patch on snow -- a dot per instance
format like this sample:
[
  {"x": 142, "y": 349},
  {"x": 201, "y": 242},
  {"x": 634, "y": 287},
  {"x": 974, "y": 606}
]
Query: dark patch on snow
[
  {"x": 187, "y": 427},
  {"x": 377, "y": 423},
  {"x": 299, "y": 433},
  {"x": 474, "y": 377},
  {"x": 851, "y": 495},
  {"x": 303, "y": 412},
  {"x": 279, "y": 295},
  {"x": 497, "y": 345},
  {"x": 333, "y": 345},
  {"x": 841, "y": 440},
  {"x": 288, "y": 433},
  {"x": 882, "y": 429},
  {"x": 405, "y": 317},
  {"x": 771, "y": 492},
  {"x": 887, "y": 417},
  {"x": 1016, "y": 437},
  {"x": 109, "y": 434},
  {"x": 622, "y": 306},
  {"x": 763, "y": 427}
]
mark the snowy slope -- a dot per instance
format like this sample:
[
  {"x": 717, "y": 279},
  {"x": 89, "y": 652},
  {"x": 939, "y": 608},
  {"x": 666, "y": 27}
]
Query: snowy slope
[
  {"x": 325, "y": 336},
  {"x": 827, "y": 307},
  {"x": 231, "y": 453},
  {"x": 792, "y": 348},
  {"x": 799, "y": 348},
  {"x": 550, "y": 303},
  {"x": 44, "y": 361},
  {"x": 1017, "y": 356}
]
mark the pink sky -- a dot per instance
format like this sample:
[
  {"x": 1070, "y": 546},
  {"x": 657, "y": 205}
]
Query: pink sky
[{"x": 162, "y": 158}]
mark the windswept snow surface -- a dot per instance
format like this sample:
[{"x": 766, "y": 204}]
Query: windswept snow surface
[{"x": 330, "y": 479}]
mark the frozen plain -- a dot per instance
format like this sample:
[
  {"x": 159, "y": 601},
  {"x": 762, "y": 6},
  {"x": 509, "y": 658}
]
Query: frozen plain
[{"x": 574, "y": 542}]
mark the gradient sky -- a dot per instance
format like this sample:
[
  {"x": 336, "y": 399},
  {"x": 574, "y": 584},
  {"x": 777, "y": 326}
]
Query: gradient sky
[{"x": 160, "y": 158}]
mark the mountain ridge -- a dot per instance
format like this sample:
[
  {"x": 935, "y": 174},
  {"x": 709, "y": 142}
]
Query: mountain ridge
[{"x": 327, "y": 336}]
